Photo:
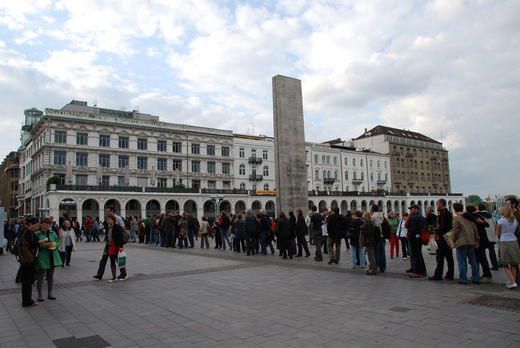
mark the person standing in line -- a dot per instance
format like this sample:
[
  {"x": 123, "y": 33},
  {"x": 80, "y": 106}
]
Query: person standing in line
[
  {"x": 224, "y": 224},
  {"x": 168, "y": 226},
  {"x": 27, "y": 270},
  {"x": 445, "y": 224},
  {"x": 402, "y": 235},
  {"x": 141, "y": 231},
  {"x": 283, "y": 235},
  {"x": 335, "y": 228},
  {"x": 48, "y": 258},
  {"x": 348, "y": 220},
  {"x": 191, "y": 229},
  {"x": 251, "y": 227},
  {"x": 491, "y": 234},
  {"x": 264, "y": 226},
  {"x": 483, "y": 243},
  {"x": 183, "y": 232},
  {"x": 204, "y": 230},
  {"x": 513, "y": 203},
  {"x": 301, "y": 230},
  {"x": 177, "y": 217},
  {"x": 292, "y": 227},
  {"x": 466, "y": 239},
  {"x": 379, "y": 246},
  {"x": 309, "y": 227},
  {"x": 67, "y": 243},
  {"x": 317, "y": 222},
  {"x": 508, "y": 251},
  {"x": 77, "y": 230},
  {"x": 134, "y": 226},
  {"x": 239, "y": 227},
  {"x": 325, "y": 231},
  {"x": 87, "y": 224},
  {"x": 393, "y": 220},
  {"x": 368, "y": 240},
  {"x": 431, "y": 221},
  {"x": 354, "y": 232},
  {"x": 415, "y": 224}
]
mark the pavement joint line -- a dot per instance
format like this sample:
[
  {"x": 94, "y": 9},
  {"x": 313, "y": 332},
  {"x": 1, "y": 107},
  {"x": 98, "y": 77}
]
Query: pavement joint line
[{"x": 141, "y": 276}]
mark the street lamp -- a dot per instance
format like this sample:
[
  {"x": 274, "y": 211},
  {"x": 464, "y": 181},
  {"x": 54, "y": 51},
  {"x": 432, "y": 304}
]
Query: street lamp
[{"x": 217, "y": 199}]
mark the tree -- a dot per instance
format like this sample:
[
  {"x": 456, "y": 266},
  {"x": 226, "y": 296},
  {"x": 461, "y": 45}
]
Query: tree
[
  {"x": 473, "y": 200},
  {"x": 53, "y": 180}
]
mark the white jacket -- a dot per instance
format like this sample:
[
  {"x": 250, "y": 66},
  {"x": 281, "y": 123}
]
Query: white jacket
[{"x": 402, "y": 231}]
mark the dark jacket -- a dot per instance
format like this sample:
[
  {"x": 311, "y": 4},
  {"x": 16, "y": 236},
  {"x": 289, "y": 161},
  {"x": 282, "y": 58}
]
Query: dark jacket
[
  {"x": 301, "y": 227},
  {"x": 431, "y": 220},
  {"x": 117, "y": 235},
  {"x": 239, "y": 228},
  {"x": 354, "y": 231},
  {"x": 369, "y": 234},
  {"x": 168, "y": 224},
  {"x": 417, "y": 223},
  {"x": 481, "y": 228},
  {"x": 445, "y": 222},
  {"x": 336, "y": 227},
  {"x": 283, "y": 229},
  {"x": 251, "y": 224}
]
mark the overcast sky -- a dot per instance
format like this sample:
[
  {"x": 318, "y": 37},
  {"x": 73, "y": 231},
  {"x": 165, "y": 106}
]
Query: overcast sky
[{"x": 445, "y": 68}]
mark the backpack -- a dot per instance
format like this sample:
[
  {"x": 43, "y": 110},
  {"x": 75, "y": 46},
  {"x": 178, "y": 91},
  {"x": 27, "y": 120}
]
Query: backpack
[
  {"x": 491, "y": 230},
  {"x": 386, "y": 229},
  {"x": 22, "y": 251}
]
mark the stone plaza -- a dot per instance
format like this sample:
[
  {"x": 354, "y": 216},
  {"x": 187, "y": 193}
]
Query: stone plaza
[{"x": 215, "y": 298}]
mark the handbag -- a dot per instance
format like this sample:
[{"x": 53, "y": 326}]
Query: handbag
[
  {"x": 121, "y": 258},
  {"x": 448, "y": 237},
  {"x": 425, "y": 237}
]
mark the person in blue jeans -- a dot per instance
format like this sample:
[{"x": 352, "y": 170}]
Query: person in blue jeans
[
  {"x": 224, "y": 224},
  {"x": 466, "y": 239}
]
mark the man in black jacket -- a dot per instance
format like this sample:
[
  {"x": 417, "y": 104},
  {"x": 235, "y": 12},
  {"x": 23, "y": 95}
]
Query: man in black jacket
[
  {"x": 27, "y": 270},
  {"x": 250, "y": 233},
  {"x": 444, "y": 221},
  {"x": 335, "y": 229}
]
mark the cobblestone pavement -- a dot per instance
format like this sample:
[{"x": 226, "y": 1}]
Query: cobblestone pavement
[{"x": 205, "y": 298}]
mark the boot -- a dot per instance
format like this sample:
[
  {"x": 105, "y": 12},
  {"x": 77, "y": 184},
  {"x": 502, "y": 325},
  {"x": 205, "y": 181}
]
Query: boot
[{"x": 50, "y": 284}]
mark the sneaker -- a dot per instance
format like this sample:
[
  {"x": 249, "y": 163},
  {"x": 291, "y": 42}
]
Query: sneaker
[
  {"x": 486, "y": 279},
  {"x": 404, "y": 258},
  {"x": 414, "y": 275},
  {"x": 512, "y": 286},
  {"x": 112, "y": 280},
  {"x": 122, "y": 278},
  {"x": 97, "y": 277}
]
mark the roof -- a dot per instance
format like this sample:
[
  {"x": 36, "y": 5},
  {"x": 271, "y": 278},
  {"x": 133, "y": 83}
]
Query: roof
[{"x": 403, "y": 133}]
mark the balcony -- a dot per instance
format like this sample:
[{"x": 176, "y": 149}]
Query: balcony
[
  {"x": 224, "y": 191},
  {"x": 171, "y": 189},
  {"x": 381, "y": 182},
  {"x": 329, "y": 180},
  {"x": 97, "y": 188},
  {"x": 357, "y": 181},
  {"x": 255, "y": 177},
  {"x": 255, "y": 160}
]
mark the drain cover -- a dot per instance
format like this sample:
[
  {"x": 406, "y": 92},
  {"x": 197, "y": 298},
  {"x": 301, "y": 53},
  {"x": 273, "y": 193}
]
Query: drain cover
[
  {"x": 497, "y": 301},
  {"x": 400, "y": 309}
]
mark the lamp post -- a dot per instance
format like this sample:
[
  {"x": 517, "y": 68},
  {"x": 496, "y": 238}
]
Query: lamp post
[{"x": 217, "y": 199}]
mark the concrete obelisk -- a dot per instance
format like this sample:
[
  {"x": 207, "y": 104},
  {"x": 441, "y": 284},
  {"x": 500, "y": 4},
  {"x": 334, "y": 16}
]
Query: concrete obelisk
[{"x": 289, "y": 139}]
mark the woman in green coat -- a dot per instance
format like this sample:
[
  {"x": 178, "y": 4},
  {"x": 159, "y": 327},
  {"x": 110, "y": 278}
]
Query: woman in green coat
[{"x": 48, "y": 258}]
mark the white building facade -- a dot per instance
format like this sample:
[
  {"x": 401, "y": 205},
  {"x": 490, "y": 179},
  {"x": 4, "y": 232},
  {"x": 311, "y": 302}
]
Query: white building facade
[{"x": 144, "y": 167}]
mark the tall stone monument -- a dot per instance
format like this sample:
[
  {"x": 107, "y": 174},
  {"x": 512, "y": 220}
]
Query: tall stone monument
[{"x": 289, "y": 145}]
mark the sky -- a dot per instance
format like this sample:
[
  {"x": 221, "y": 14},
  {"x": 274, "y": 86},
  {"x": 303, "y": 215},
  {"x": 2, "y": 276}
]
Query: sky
[{"x": 446, "y": 68}]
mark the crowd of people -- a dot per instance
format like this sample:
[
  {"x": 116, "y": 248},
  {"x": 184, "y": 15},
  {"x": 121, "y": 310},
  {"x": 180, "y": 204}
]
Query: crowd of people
[{"x": 473, "y": 234}]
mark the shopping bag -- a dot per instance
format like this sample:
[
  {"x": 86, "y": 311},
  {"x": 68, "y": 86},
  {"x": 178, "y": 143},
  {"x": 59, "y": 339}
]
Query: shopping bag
[
  {"x": 121, "y": 258},
  {"x": 448, "y": 237}
]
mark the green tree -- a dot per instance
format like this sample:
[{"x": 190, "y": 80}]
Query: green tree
[{"x": 473, "y": 200}]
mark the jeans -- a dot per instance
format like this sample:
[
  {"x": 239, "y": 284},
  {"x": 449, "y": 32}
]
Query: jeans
[
  {"x": 225, "y": 239},
  {"x": 493, "y": 256},
  {"x": 132, "y": 234},
  {"x": 444, "y": 251},
  {"x": 263, "y": 242},
  {"x": 316, "y": 235},
  {"x": 379, "y": 254},
  {"x": 418, "y": 260},
  {"x": 463, "y": 252},
  {"x": 355, "y": 250},
  {"x": 410, "y": 253},
  {"x": 191, "y": 233}
]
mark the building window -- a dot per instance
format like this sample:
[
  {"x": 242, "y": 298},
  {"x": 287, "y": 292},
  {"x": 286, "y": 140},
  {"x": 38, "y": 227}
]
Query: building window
[
  {"x": 225, "y": 168},
  {"x": 195, "y": 149},
  {"x": 104, "y": 140},
  {"x": 328, "y": 174},
  {"x": 177, "y": 165},
  {"x": 346, "y": 176},
  {"x": 211, "y": 167},
  {"x": 335, "y": 160},
  {"x": 324, "y": 174},
  {"x": 328, "y": 159},
  {"x": 210, "y": 150},
  {"x": 266, "y": 187},
  {"x": 336, "y": 174},
  {"x": 142, "y": 163},
  {"x": 122, "y": 161},
  {"x": 371, "y": 163},
  {"x": 354, "y": 176},
  {"x": 104, "y": 160},
  {"x": 123, "y": 142},
  {"x": 379, "y": 176},
  {"x": 142, "y": 181},
  {"x": 121, "y": 181},
  {"x": 195, "y": 166},
  {"x": 242, "y": 170},
  {"x": 177, "y": 147},
  {"x": 253, "y": 153},
  {"x": 161, "y": 145},
  {"x": 371, "y": 176},
  {"x": 361, "y": 162},
  {"x": 226, "y": 185},
  {"x": 317, "y": 174},
  {"x": 60, "y": 137},
  {"x": 242, "y": 186},
  {"x": 105, "y": 180},
  {"x": 81, "y": 138},
  {"x": 212, "y": 184},
  {"x": 195, "y": 184},
  {"x": 323, "y": 159},
  {"x": 266, "y": 171},
  {"x": 362, "y": 175},
  {"x": 241, "y": 152},
  {"x": 354, "y": 162},
  {"x": 225, "y": 151},
  {"x": 386, "y": 176},
  {"x": 60, "y": 158},
  {"x": 61, "y": 177},
  {"x": 81, "y": 159},
  {"x": 315, "y": 158},
  {"x": 253, "y": 187},
  {"x": 81, "y": 179},
  {"x": 162, "y": 182},
  {"x": 142, "y": 144},
  {"x": 161, "y": 164},
  {"x": 264, "y": 155}
]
